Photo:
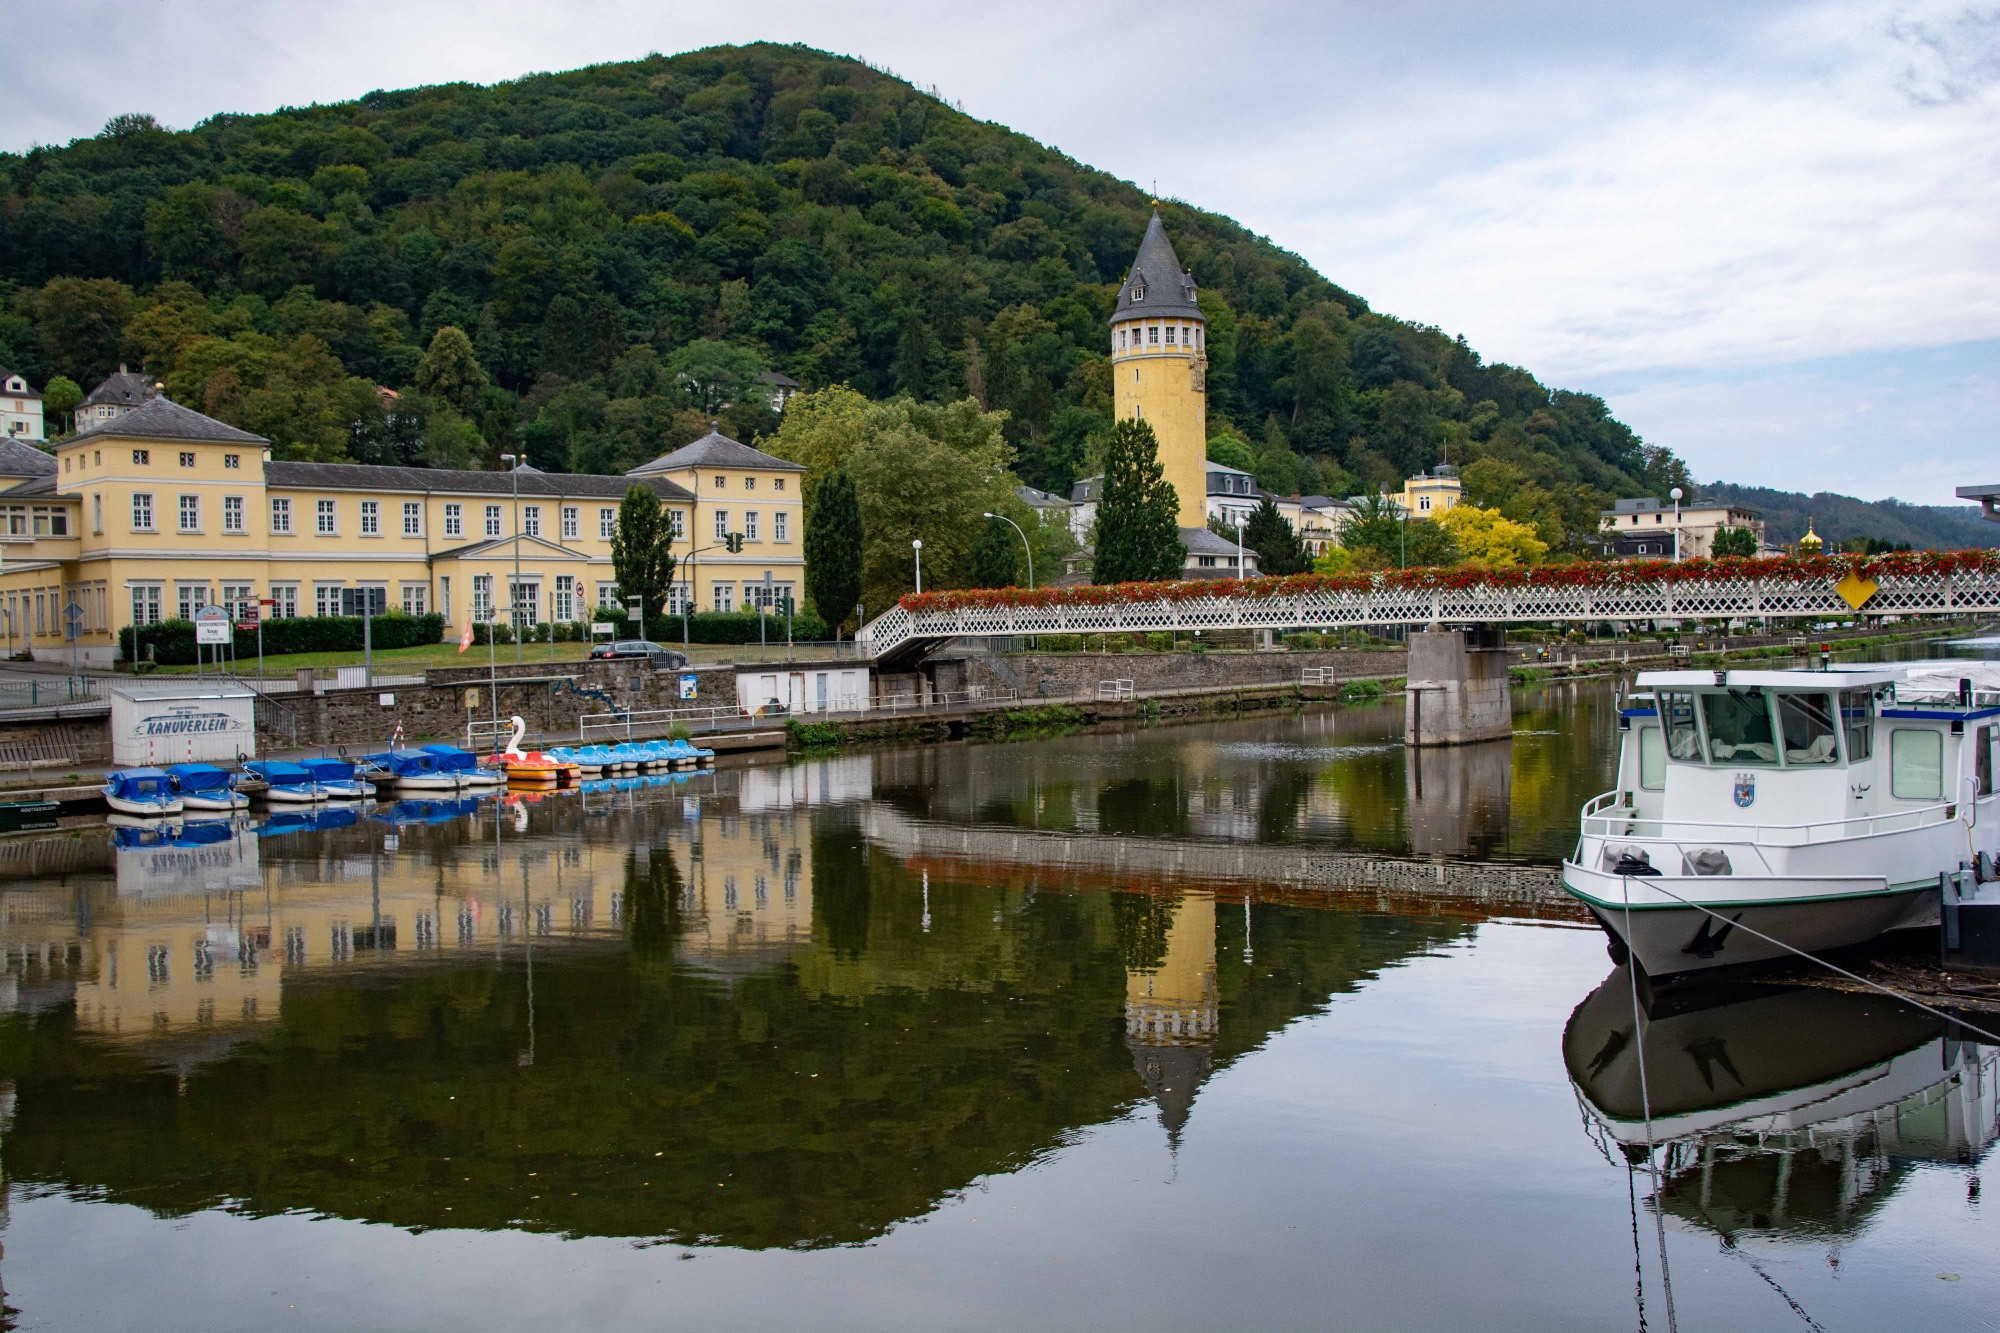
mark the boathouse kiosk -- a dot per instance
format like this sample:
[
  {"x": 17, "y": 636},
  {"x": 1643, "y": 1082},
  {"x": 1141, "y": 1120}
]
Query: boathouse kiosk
[{"x": 158, "y": 722}]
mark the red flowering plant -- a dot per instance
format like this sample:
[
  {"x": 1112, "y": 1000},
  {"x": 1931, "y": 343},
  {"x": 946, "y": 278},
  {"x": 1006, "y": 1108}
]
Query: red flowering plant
[{"x": 1894, "y": 565}]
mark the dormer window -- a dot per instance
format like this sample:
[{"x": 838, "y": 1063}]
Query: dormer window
[{"x": 1138, "y": 291}]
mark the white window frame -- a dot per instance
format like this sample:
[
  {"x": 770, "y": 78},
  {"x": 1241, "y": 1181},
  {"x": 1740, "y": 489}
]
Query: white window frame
[
  {"x": 493, "y": 526},
  {"x": 142, "y": 512},
  {"x": 751, "y": 526},
  {"x": 416, "y": 599},
  {"x": 284, "y": 601},
  {"x": 413, "y": 518},
  {"x": 232, "y": 514},
  {"x": 281, "y": 515},
  {"x": 677, "y": 524},
  {"x": 572, "y": 523},
  {"x": 147, "y": 599},
  {"x": 371, "y": 518},
  {"x": 454, "y": 520},
  {"x": 781, "y": 526},
  {"x": 531, "y": 521},
  {"x": 607, "y": 524},
  {"x": 326, "y": 518},
  {"x": 721, "y": 524},
  {"x": 326, "y": 599}
]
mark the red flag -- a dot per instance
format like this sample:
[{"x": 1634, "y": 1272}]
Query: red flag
[{"x": 465, "y": 639}]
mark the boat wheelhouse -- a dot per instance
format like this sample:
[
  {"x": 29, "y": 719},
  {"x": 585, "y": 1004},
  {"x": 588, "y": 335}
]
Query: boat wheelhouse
[{"x": 1818, "y": 808}]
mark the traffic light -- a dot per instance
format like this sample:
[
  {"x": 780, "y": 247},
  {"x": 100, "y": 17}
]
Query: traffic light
[{"x": 734, "y": 541}]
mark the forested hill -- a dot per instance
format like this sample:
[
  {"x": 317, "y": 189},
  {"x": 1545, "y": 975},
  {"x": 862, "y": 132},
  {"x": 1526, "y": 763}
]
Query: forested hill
[
  {"x": 625, "y": 243},
  {"x": 1841, "y": 519}
]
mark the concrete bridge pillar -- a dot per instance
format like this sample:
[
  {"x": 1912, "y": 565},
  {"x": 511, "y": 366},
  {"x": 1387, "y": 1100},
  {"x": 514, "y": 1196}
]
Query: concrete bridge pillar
[{"x": 1457, "y": 690}]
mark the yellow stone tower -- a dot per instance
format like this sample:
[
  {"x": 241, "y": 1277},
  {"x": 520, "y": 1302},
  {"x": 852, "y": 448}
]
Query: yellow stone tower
[{"x": 1159, "y": 366}]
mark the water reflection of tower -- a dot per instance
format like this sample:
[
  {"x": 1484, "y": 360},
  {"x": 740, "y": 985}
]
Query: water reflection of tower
[{"x": 1171, "y": 1011}]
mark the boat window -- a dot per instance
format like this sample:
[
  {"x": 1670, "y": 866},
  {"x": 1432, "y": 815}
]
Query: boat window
[
  {"x": 1916, "y": 764},
  {"x": 1858, "y": 718},
  {"x": 1739, "y": 727},
  {"x": 1652, "y": 758},
  {"x": 1807, "y": 723},
  {"x": 1677, "y": 715},
  {"x": 1982, "y": 759}
]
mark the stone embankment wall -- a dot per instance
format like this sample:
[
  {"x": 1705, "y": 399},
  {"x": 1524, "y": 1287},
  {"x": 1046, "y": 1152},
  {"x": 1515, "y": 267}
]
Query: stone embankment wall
[
  {"x": 1065, "y": 676},
  {"x": 549, "y": 697}
]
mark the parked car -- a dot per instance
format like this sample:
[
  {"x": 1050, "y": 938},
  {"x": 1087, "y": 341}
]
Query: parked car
[{"x": 662, "y": 657}]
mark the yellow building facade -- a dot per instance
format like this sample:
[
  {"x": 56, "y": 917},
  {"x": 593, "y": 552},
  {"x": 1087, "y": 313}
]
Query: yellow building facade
[
  {"x": 1430, "y": 494},
  {"x": 1159, "y": 367},
  {"x": 160, "y": 511}
]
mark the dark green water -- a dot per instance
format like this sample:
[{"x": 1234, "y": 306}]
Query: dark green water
[{"x": 851, "y": 1045}]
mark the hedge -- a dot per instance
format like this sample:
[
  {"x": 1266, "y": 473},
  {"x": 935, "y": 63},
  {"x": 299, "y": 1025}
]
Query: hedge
[
  {"x": 172, "y": 641},
  {"x": 719, "y": 627}
]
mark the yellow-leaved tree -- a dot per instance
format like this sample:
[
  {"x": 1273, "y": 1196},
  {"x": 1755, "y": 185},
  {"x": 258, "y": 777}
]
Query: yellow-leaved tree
[{"x": 1488, "y": 537}]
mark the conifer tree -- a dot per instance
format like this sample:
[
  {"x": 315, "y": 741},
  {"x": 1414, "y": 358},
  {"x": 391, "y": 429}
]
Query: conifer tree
[
  {"x": 642, "y": 555},
  {"x": 833, "y": 548},
  {"x": 1138, "y": 536},
  {"x": 1278, "y": 548},
  {"x": 995, "y": 559}
]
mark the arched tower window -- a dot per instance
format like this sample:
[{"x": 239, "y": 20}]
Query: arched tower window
[{"x": 1138, "y": 291}]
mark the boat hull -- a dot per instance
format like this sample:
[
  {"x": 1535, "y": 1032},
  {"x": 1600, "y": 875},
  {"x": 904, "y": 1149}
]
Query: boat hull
[
  {"x": 224, "y": 801},
  {"x": 1672, "y": 939},
  {"x": 284, "y": 795},
  {"x": 143, "y": 809}
]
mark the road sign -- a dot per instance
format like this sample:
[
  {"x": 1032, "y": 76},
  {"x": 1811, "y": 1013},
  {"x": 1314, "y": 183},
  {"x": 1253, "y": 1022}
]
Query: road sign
[
  {"x": 247, "y": 615},
  {"x": 364, "y": 601},
  {"x": 211, "y": 625},
  {"x": 73, "y": 621}
]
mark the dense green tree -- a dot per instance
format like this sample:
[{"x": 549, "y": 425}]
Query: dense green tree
[
  {"x": 1383, "y": 536},
  {"x": 60, "y": 397},
  {"x": 642, "y": 556},
  {"x": 833, "y": 546},
  {"x": 1229, "y": 451},
  {"x": 82, "y": 324},
  {"x": 1138, "y": 539},
  {"x": 995, "y": 561},
  {"x": 450, "y": 373},
  {"x": 1734, "y": 542},
  {"x": 1278, "y": 548},
  {"x": 715, "y": 375}
]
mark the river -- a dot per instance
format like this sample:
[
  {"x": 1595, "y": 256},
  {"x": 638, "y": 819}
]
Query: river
[{"x": 1241, "y": 1024}]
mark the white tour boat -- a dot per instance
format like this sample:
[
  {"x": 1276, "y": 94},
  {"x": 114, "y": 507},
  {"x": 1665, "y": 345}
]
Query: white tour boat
[{"x": 1815, "y": 807}]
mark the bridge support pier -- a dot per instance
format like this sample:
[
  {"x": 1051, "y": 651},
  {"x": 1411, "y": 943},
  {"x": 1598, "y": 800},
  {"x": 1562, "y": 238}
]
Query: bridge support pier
[{"x": 1457, "y": 689}]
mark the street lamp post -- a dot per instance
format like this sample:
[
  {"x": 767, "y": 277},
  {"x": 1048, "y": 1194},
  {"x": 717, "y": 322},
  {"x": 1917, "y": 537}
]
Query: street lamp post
[
  {"x": 1676, "y": 494},
  {"x": 1024, "y": 546},
  {"x": 917, "y": 545},
  {"x": 1237, "y": 517},
  {"x": 514, "y": 593}
]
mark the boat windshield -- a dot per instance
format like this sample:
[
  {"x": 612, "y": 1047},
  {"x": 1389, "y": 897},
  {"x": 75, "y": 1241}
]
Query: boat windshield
[
  {"x": 1856, "y": 713},
  {"x": 1739, "y": 727},
  {"x": 1677, "y": 717},
  {"x": 1808, "y": 725}
]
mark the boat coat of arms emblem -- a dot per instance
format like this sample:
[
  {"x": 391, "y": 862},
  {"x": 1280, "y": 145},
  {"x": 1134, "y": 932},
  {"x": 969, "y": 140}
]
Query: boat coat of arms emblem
[{"x": 1746, "y": 788}]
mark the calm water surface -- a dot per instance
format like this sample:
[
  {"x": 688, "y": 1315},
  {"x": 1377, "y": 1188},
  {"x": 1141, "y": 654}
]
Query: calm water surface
[{"x": 958, "y": 1037}]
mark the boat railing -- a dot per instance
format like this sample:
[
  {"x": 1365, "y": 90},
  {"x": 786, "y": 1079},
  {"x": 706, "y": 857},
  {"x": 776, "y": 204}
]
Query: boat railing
[{"x": 1602, "y": 819}]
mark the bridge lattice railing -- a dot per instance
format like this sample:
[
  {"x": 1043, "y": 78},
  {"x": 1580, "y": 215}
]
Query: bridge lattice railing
[{"x": 1976, "y": 591}]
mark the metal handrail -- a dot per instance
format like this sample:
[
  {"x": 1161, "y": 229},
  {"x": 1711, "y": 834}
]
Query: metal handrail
[{"x": 1596, "y": 824}]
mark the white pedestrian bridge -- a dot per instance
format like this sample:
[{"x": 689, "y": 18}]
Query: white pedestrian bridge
[{"x": 1906, "y": 584}]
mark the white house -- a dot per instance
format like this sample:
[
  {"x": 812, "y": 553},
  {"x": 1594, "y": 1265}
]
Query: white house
[{"x": 20, "y": 408}]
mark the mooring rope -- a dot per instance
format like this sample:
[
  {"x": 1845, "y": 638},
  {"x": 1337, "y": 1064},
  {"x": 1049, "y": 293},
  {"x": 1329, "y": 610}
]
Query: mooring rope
[
  {"x": 1638, "y": 1261},
  {"x": 1646, "y": 1105}
]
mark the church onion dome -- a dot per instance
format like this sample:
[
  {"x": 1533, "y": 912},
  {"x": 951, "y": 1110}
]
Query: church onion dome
[
  {"x": 1812, "y": 542},
  {"x": 1157, "y": 287}
]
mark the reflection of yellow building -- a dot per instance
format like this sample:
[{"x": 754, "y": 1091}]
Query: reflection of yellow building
[
  {"x": 160, "y": 511},
  {"x": 1171, "y": 1013},
  {"x": 748, "y": 894}
]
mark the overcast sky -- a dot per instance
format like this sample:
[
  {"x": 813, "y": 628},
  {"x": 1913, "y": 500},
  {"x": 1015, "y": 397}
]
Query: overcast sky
[{"x": 1768, "y": 235}]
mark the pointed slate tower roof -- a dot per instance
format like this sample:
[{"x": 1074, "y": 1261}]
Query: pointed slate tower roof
[{"x": 1157, "y": 284}]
